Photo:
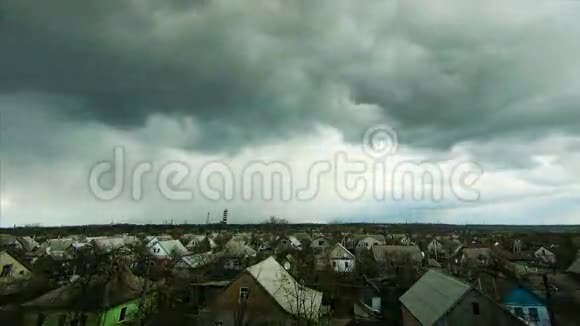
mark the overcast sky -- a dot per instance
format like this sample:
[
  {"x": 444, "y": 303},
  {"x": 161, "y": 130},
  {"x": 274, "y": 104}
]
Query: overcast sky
[{"x": 492, "y": 84}]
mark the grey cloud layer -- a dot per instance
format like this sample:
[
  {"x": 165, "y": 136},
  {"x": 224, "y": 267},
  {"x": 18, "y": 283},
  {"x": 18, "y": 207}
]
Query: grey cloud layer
[{"x": 253, "y": 71}]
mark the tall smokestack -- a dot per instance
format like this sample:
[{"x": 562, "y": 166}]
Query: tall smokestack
[{"x": 225, "y": 219}]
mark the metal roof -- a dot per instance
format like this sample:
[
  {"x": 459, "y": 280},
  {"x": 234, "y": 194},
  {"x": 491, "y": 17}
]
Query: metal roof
[
  {"x": 433, "y": 296},
  {"x": 292, "y": 296}
]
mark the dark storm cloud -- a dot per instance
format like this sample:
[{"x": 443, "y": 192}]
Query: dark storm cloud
[{"x": 254, "y": 71}]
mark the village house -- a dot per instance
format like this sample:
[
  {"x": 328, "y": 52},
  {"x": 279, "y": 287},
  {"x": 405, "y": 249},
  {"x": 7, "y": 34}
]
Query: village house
[
  {"x": 235, "y": 253},
  {"x": 320, "y": 243},
  {"x": 526, "y": 305},
  {"x": 439, "y": 299},
  {"x": 57, "y": 249},
  {"x": 167, "y": 249},
  {"x": 195, "y": 261},
  {"x": 264, "y": 294},
  {"x": 545, "y": 256},
  {"x": 151, "y": 240},
  {"x": 337, "y": 259},
  {"x": 100, "y": 302},
  {"x": 398, "y": 238},
  {"x": 288, "y": 243},
  {"x": 198, "y": 242},
  {"x": 110, "y": 244},
  {"x": 303, "y": 237},
  {"x": 12, "y": 269},
  {"x": 368, "y": 241},
  {"x": 28, "y": 244},
  {"x": 443, "y": 248}
]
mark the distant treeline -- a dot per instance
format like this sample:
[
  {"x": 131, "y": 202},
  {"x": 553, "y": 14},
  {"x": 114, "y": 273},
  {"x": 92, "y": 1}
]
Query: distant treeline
[{"x": 109, "y": 229}]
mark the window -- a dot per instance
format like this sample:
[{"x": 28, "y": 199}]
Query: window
[
  {"x": 123, "y": 314},
  {"x": 345, "y": 264},
  {"x": 475, "y": 308},
  {"x": 244, "y": 294},
  {"x": 6, "y": 270},
  {"x": 320, "y": 242},
  {"x": 333, "y": 264},
  {"x": 534, "y": 314},
  {"x": 519, "y": 312}
]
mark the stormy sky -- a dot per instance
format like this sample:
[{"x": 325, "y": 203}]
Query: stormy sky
[{"x": 495, "y": 84}]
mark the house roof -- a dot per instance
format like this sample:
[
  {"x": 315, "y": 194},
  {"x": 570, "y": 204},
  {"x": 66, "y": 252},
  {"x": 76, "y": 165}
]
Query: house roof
[
  {"x": 198, "y": 260},
  {"x": 156, "y": 238},
  {"x": 433, "y": 295},
  {"x": 302, "y": 236},
  {"x": 121, "y": 287},
  {"x": 285, "y": 290},
  {"x": 173, "y": 246},
  {"x": 190, "y": 236},
  {"x": 57, "y": 245},
  {"x": 343, "y": 249},
  {"x": 521, "y": 296},
  {"x": 7, "y": 252},
  {"x": 109, "y": 244},
  {"x": 376, "y": 237},
  {"x": 28, "y": 243},
  {"x": 9, "y": 240},
  {"x": 294, "y": 241},
  {"x": 544, "y": 251}
]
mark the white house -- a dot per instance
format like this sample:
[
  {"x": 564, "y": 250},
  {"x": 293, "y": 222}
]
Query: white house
[
  {"x": 167, "y": 249},
  {"x": 12, "y": 268},
  {"x": 338, "y": 259},
  {"x": 367, "y": 242}
]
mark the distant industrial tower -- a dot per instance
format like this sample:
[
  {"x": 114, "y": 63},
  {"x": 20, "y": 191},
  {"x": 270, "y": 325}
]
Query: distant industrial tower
[{"x": 225, "y": 219}]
